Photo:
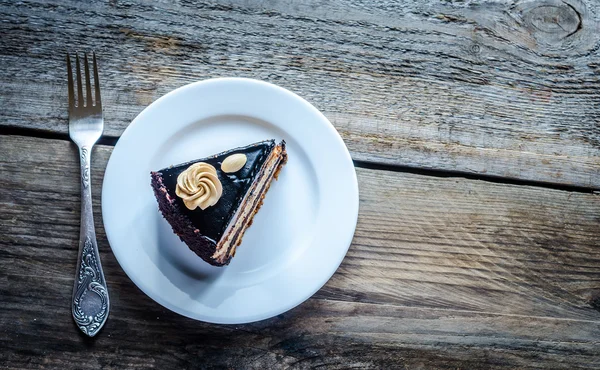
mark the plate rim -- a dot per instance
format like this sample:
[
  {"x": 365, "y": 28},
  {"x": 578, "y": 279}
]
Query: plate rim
[{"x": 353, "y": 188}]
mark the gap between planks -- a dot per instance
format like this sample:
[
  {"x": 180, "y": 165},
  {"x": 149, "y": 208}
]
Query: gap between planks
[{"x": 112, "y": 141}]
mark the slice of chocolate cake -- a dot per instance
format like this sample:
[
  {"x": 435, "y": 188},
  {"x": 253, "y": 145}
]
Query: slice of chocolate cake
[{"x": 210, "y": 202}]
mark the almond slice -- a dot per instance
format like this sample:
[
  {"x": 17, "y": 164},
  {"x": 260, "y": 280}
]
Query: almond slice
[{"x": 234, "y": 163}]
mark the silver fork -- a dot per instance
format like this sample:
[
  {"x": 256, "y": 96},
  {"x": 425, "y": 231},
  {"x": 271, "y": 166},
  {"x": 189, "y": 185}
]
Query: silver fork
[{"x": 90, "y": 304}]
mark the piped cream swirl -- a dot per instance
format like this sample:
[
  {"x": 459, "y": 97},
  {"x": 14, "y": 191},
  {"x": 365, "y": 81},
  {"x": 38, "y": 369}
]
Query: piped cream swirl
[{"x": 199, "y": 186}]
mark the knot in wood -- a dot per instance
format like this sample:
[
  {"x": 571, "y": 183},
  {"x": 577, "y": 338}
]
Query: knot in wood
[
  {"x": 554, "y": 20},
  {"x": 475, "y": 49}
]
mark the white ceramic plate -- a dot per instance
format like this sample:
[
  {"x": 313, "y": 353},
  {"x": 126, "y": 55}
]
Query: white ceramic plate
[{"x": 298, "y": 238}]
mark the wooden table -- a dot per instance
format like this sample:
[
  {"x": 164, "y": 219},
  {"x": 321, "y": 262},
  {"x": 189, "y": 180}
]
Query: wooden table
[{"x": 475, "y": 129}]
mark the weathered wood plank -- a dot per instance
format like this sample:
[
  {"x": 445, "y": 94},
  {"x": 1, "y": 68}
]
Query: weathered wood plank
[
  {"x": 500, "y": 88},
  {"x": 443, "y": 272}
]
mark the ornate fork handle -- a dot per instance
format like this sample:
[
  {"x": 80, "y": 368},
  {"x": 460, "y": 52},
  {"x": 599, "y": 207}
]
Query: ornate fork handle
[{"x": 90, "y": 295}]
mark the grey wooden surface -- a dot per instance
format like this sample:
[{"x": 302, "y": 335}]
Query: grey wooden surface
[
  {"x": 442, "y": 272},
  {"x": 475, "y": 129},
  {"x": 500, "y": 88}
]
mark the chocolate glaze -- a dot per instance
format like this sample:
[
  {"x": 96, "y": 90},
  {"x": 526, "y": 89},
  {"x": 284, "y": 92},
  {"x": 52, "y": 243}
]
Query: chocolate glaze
[
  {"x": 213, "y": 221},
  {"x": 182, "y": 226}
]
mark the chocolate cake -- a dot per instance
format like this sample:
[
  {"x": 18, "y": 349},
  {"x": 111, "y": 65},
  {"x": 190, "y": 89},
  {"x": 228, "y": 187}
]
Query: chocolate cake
[{"x": 210, "y": 202}]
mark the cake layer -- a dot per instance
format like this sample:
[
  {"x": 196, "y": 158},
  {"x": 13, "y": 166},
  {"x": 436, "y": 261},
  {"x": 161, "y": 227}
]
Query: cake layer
[{"x": 250, "y": 205}]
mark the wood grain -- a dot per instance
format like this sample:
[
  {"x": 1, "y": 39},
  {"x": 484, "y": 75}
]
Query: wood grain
[
  {"x": 500, "y": 88},
  {"x": 443, "y": 273}
]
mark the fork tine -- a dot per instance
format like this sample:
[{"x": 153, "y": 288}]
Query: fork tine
[
  {"x": 96, "y": 81},
  {"x": 88, "y": 84},
  {"x": 79, "y": 87},
  {"x": 70, "y": 82}
]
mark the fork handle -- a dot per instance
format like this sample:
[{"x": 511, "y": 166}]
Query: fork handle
[{"x": 90, "y": 304}]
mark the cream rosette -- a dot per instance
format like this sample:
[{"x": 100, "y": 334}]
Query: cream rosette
[{"x": 199, "y": 186}]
